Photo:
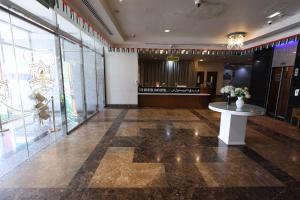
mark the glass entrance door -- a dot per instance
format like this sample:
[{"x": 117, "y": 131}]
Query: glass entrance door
[
  {"x": 73, "y": 83},
  {"x": 90, "y": 81},
  {"x": 30, "y": 92}
]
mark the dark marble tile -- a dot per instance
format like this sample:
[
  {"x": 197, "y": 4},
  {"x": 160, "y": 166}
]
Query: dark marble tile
[
  {"x": 270, "y": 167},
  {"x": 204, "y": 119},
  {"x": 125, "y": 142},
  {"x": 183, "y": 176},
  {"x": 232, "y": 193},
  {"x": 248, "y": 193},
  {"x": 209, "y": 155},
  {"x": 171, "y": 145},
  {"x": 211, "y": 141},
  {"x": 281, "y": 137},
  {"x": 159, "y": 121},
  {"x": 31, "y": 194}
]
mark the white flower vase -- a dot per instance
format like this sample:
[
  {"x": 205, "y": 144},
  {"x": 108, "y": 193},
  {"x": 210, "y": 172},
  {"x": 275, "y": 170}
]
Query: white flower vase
[{"x": 239, "y": 103}]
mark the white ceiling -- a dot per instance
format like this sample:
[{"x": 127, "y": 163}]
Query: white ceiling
[{"x": 141, "y": 23}]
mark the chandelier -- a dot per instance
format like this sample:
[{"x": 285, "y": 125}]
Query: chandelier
[{"x": 236, "y": 40}]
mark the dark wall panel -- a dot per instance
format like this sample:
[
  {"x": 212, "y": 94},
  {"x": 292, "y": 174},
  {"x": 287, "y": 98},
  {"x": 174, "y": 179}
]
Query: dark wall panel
[
  {"x": 260, "y": 76},
  {"x": 294, "y": 101}
]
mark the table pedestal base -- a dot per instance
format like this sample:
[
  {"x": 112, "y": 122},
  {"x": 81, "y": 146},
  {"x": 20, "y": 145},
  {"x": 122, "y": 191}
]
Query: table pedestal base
[{"x": 233, "y": 129}]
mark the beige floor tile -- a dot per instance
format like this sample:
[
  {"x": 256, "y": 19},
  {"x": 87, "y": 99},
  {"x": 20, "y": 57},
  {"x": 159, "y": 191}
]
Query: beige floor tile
[
  {"x": 131, "y": 129},
  {"x": 116, "y": 170}
]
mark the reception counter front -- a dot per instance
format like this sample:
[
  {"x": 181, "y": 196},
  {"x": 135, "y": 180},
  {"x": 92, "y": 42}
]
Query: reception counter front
[{"x": 173, "y": 97}]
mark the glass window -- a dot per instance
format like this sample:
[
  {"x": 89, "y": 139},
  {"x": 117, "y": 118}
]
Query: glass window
[
  {"x": 28, "y": 81},
  {"x": 73, "y": 83},
  {"x": 100, "y": 80},
  {"x": 87, "y": 40},
  {"x": 68, "y": 27},
  {"x": 30, "y": 77},
  {"x": 37, "y": 9},
  {"x": 5, "y": 33},
  {"x": 98, "y": 47},
  {"x": 13, "y": 138},
  {"x": 90, "y": 80}
]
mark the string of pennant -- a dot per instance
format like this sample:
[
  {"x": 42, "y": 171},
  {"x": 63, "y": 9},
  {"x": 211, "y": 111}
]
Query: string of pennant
[
  {"x": 62, "y": 7},
  {"x": 294, "y": 38}
]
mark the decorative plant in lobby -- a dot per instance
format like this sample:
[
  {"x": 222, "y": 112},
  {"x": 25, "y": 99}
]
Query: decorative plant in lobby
[
  {"x": 228, "y": 92},
  {"x": 241, "y": 93}
]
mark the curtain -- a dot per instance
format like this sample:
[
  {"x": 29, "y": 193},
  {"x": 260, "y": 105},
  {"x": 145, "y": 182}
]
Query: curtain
[{"x": 170, "y": 73}]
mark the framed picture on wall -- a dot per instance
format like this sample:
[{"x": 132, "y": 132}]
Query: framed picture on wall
[{"x": 228, "y": 76}]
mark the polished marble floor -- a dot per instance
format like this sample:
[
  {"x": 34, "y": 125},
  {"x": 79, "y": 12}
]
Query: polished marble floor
[{"x": 162, "y": 154}]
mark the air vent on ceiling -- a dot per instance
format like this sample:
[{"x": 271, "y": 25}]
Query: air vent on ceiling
[{"x": 90, "y": 7}]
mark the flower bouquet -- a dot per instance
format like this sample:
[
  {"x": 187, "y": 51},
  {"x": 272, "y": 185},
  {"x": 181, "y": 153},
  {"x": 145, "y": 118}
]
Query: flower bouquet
[
  {"x": 228, "y": 92},
  {"x": 241, "y": 93}
]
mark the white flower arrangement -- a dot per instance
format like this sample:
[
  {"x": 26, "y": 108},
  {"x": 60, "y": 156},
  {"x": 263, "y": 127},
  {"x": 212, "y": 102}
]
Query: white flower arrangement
[
  {"x": 228, "y": 90},
  {"x": 236, "y": 92}
]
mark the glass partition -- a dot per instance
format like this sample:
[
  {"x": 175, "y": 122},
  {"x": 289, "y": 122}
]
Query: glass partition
[
  {"x": 38, "y": 69},
  {"x": 29, "y": 83},
  {"x": 90, "y": 81},
  {"x": 13, "y": 136},
  {"x": 100, "y": 80},
  {"x": 37, "y": 77},
  {"x": 73, "y": 83}
]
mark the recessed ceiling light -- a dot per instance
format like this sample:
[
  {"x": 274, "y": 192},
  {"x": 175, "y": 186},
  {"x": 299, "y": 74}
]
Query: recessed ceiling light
[
  {"x": 120, "y": 0},
  {"x": 167, "y": 30},
  {"x": 274, "y": 15}
]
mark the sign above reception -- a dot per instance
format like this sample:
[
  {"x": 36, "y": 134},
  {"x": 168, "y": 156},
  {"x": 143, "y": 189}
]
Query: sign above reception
[
  {"x": 169, "y": 90},
  {"x": 173, "y": 58}
]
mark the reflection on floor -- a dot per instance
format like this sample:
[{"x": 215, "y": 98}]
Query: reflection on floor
[{"x": 162, "y": 154}]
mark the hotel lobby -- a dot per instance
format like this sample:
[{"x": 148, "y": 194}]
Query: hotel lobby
[{"x": 160, "y": 99}]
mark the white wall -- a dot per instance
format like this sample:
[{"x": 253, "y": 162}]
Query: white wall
[{"x": 121, "y": 78}]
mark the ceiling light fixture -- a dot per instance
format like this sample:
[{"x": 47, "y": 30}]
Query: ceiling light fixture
[
  {"x": 274, "y": 15},
  {"x": 236, "y": 40},
  {"x": 167, "y": 30}
]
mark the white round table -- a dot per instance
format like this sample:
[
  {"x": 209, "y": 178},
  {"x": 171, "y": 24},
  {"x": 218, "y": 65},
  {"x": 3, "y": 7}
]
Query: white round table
[{"x": 234, "y": 121}]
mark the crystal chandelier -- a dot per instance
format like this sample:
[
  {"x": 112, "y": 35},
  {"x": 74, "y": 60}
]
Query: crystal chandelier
[{"x": 236, "y": 40}]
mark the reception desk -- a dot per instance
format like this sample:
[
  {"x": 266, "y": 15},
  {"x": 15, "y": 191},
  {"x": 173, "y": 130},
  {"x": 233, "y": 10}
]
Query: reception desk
[{"x": 172, "y": 97}]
